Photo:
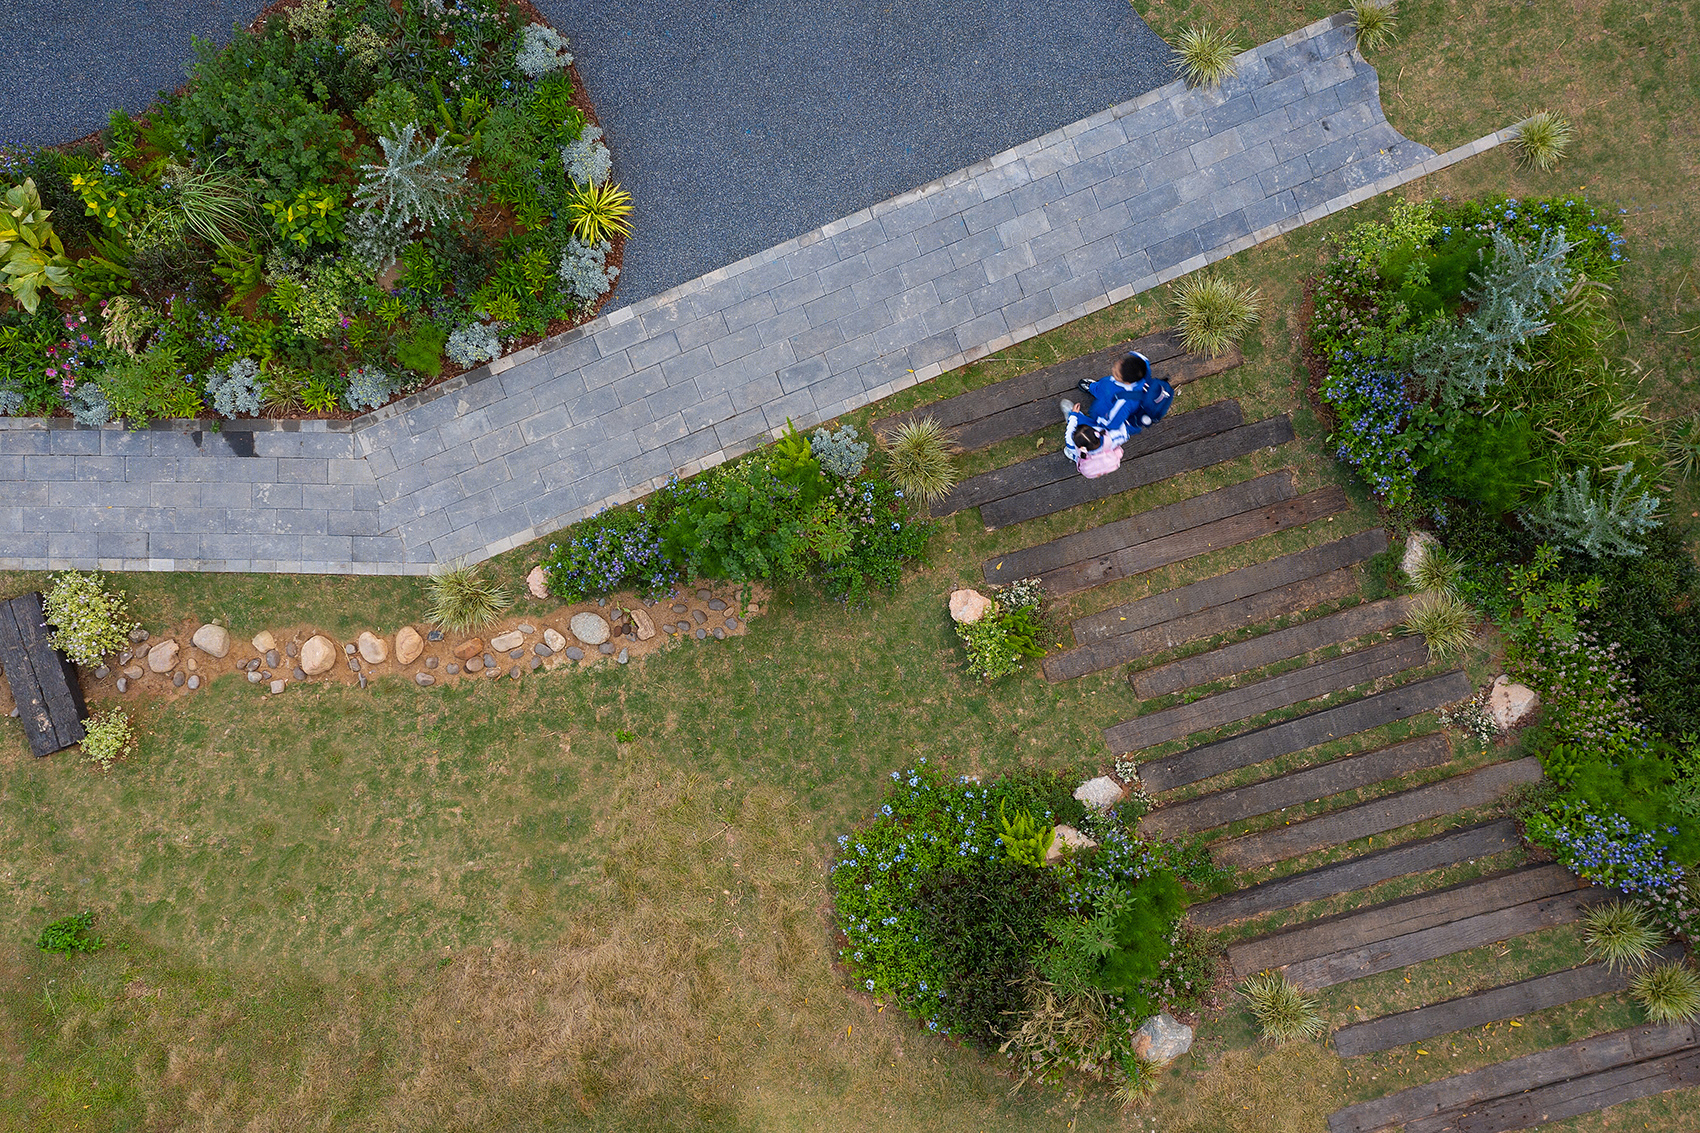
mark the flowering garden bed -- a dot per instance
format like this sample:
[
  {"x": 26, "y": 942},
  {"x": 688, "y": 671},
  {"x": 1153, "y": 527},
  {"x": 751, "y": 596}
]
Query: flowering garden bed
[{"x": 343, "y": 205}]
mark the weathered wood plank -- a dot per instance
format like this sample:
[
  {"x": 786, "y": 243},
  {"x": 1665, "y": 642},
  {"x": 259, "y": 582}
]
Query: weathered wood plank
[
  {"x": 1442, "y": 940},
  {"x": 1047, "y": 499},
  {"x": 1248, "y": 582},
  {"x": 1419, "y": 804},
  {"x": 1226, "y": 532},
  {"x": 1462, "y": 1091},
  {"x": 1126, "y": 648},
  {"x": 1491, "y": 1005},
  {"x": 1288, "y": 736},
  {"x": 43, "y": 683},
  {"x": 1345, "y": 774},
  {"x": 1025, "y": 475},
  {"x": 1283, "y": 691},
  {"x": 1247, "y": 495},
  {"x": 1577, "y": 1096},
  {"x": 1266, "y": 649},
  {"x": 1331, "y": 880},
  {"x": 1343, "y": 932}
]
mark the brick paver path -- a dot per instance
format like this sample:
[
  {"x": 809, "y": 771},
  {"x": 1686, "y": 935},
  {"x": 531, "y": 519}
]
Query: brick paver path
[{"x": 991, "y": 255}]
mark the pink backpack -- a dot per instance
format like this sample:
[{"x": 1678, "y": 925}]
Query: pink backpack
[{"x": 1101, "y": 461}]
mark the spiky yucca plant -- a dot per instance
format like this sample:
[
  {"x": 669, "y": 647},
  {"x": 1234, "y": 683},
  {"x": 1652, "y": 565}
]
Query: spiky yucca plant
[
  {"x": 1375, "y": 23},
  {"x": 1669, "y": 993},
  {"x": 918, "y": 459},
  {"x": 1205, "y": 55},
  {"x": 463, "y": 599},
  {"x": 599, "y": 212},
  {"x": 416, "y": 182},
  {"x": 1621, "y": 933},
  {"x": 1543, "y": 138},
  {"x": 1215, "y": 314},
  {"x": 1283, "y": 1011},
  {"x": 1445, "y": 621}
]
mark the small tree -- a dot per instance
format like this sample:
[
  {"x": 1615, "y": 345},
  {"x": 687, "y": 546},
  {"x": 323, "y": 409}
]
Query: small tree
[{"x": 1576, "y": 518}]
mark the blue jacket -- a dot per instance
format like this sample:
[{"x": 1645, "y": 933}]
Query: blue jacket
[{"x": 1120, "y": 409}]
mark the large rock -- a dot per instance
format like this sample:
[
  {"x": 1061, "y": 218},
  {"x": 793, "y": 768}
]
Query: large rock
[
  {"x": 504, "y": 642},
  {"x": 264, "y": 642},
  {"x": 537, "y": 582},
  {"x": 1101, "y": 793},
  {"x": 470, "y": 648},
  {"x": 592, "y": 629},
  {"x": 644, "y": 623},
  {"x": 372, "y": 648},
  {"x": 213, "y": 640},
  {"x": 318, "y": 655},
  {"x": 1160, "y": 1039},
  {"x": 408, "y": 645},
  {"x": 162, "y": 658},
  {"x": 1417, "y": 544},
  {"x": 1510, "y": 704},
  {"x": 968, "y": 606},
  {"x": 1066, "y": 840},
  {"x": 553, "y": 639}
]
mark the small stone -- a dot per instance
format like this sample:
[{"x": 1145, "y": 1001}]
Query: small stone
[
  {"x": 625, "y": 655},
  {"x": 574, "y": 653},
  {"x": 643, "y": 625},
  {"x": 254, "y": 678},
  {"x": 299, "y": 674},
  {"x": 503, "y": 642},
  {"x": 192, "y": 665},
  {"x": 514, "y": 672},
  {"x": 592, "y": 629},
  {"x": 474, "y": 664},
  {"x": 717, "y": 605},
  {"x": 124, "y": 657},
  {"x": 292, "y": 650},
  {"x": 704, "y": 595},
  {"x": 527, "y": 628},
  {"x": 489, "y": 661},
  {"x": 434, "y": 635},
  {"x": 213, "y": 640},
  {"x": 515, "y": 654},
  {"x": 348, "y": 649},
  {"x": 699, "y": 617},
  {"x": 424, "y": 680},
  {"x": 542, "y": 650},
  {"x": 605, "y": 648},
  {"x": 602, "y": 601},
  {"x": 430, "y": 662},
  {"x": 177, "y": 680},
  {"x": 194, "y": 683},
  {"x": 1101, "y": 793},
  {"x": 537, "y": 582},
  {"x": 101, "y": 673},
  {"x": 667, "y": 628},
  {"x": 719, "y": 634},
  {"x": 553, "y": 639},
  {"x": 372, "y": 649},
  {"x": 278, "y": 687},
  {"x": 134, "y": 672},
  {"x": 471, "y": 647},
  {"x": 652, "y": 602},
  {"x": 253, "y": 665},
  {"x": 1161, "y": 1039},
  {"x": 264, "y": 642},
  {"x": 354, "y": 664},
  {"x": 138, "y": 635},
  {"x": 1510, "y": 704},
  {"x": 271, "y": 658},
  {"x": 123, "y": 686},
  {"x": 452, "y": 669},
  {"x": 732, "y": 623},
  {"x": 702, "y": 635},
  {"x": 536, "y": 663},
  {"x": 1066, "y": 841},
  {"x": 318, "y": 655},
  {"x": 408, "y": 645},
  {"x": 680, "y": 608},
  {"x": 162, "y": 658},
  {"x": 968, "y": 606}
]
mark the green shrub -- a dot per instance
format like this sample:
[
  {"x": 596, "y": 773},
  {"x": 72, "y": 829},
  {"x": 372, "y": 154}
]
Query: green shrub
[
  {"x": 89, "y": 621},
  {"x": 1285, "y": 1013},
  {"x": 997, "y": 642},
  {"x": 1204, "y": 55},
  {"x": 463, "y": 599},
  {"x": 1543, "y": 138},
  {"x": 1023, "y": 839},
  {"x": 108, "y": 737},
  {"x": 1488, "y": 460},
  {"x": 1214, "y": 314},
  {"x": 70, "y": 934},
  {"x": 420, "y": 349},
  {"x": 1669, "y": 993},
  {"x": 1445, "y": 621},
  {"x": 918, "y": 459},
  {"x": 1620, "y": 933},
  {"x": 32, "y": 257}
]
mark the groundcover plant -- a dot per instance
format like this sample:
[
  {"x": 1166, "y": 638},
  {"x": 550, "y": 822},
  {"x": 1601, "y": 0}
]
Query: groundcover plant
[{"x": 337, "y": 205}]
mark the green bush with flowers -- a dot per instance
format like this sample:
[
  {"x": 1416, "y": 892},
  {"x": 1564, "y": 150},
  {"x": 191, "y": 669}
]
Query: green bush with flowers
[
  {"x": 346, "y": 198},
  {"x": 89, "y": 621},
  {"x": 944, "y": 912}
]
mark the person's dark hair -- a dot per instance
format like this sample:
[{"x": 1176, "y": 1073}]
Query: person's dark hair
[
  {"x": 1131, "y": 367},
  {"x": 1088, "y": 438}
]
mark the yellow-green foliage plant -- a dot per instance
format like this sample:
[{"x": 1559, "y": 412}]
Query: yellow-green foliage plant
[
  {"x": 32, "y": 257},
  {"x": 599, "y": 212}
]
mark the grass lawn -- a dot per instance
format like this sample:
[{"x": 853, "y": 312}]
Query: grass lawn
[{"x": 474, "y": 908}]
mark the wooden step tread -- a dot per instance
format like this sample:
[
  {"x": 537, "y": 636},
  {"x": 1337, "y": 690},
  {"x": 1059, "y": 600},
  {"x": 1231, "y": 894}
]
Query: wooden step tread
[
  {"x": 1434, "y": 852},
  {"x": 1266, "y": 649},
  {"x": 1348, "y": 773},
  {"x": 1377, "y": 816},
  {"x": 1275, "y": 740},
  {"x": 1471, "y": 1090},
  {"x": 1048, "y": 499},
  {"x": 1491, "y": 1005},
  {"x": 1177, "y": 429},
  {"x": 1560, "y": 1100},
  {"x": 1283, "y": 691},
  {"x": 1360, "y": 927},
  {"x": 1443, "y": 940}
]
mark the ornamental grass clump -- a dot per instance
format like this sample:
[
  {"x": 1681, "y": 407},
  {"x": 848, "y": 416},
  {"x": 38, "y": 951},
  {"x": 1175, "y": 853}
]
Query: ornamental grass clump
[
  {"x": 1204, "y": 55},
  {"x": 1436, "y": 570},
  {"x": 88, "y": 620},
  {"x": 1283, "y": 1011},
  {"x": 108, "y": 737},
  {"x": 1543, "y": 138},
  {"x": 1445, "y": 621},
  {"x": 1214, "y": 313},
  {"x": 1375, "y": 23},
  {"x": 599, "y": 212},
  {"x": 463, "y": 599},
  {"x": 1682, "y": 447},
  {"x": 918, "y": 459},
  {"x": 1621, "y": 933},
  {"x": 1669, "y": 993}
]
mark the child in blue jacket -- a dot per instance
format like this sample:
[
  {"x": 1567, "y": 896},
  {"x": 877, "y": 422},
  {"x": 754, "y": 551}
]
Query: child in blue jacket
[{"x": 1129, "y": 399}]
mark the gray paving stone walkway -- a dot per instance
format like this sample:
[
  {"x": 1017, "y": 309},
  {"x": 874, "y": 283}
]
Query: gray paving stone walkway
[{"x": 986, "y": 257}]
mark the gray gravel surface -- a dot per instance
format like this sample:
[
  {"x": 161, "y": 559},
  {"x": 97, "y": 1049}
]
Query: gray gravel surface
[
  {"x": 738, "y": 124},
  {"x": 67, "y": 63}
]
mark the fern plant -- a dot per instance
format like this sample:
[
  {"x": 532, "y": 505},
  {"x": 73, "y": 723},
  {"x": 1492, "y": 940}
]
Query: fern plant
[
  {"x": 1598, "y": 525},
  {"x": 416, "y": 183},
  {"x": 1023, "y": 838}
]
